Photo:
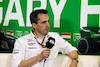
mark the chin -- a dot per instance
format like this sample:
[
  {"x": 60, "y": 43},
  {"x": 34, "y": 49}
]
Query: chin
[{"x": 46, "y": 33}]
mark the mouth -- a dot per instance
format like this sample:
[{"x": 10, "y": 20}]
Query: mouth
[{"x": 47, "y": 29}]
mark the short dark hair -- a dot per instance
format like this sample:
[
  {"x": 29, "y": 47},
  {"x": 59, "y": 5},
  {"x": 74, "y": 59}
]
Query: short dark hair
[{"x": 34, "y": 15}]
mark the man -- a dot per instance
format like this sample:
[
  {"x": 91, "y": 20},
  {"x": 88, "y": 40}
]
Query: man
[{"x": 30, "y": 50}]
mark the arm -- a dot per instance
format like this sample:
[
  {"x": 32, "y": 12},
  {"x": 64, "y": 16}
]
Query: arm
[
  {"x": 28, "y": 63},
  {"x": 73, "y": 54}
]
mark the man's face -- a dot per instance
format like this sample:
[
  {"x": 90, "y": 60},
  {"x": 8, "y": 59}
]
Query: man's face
[{"x": 42, "y": 26}]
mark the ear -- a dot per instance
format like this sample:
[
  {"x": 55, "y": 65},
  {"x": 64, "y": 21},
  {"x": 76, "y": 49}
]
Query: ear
[{"x": 34, "y": 25}]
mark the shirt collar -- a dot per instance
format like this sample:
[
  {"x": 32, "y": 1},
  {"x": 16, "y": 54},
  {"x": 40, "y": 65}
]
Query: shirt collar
[{"x": 31, "y": 32}]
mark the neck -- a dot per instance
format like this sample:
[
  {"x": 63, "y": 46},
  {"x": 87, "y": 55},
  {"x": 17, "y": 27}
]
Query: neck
[{"x": 38, "y": 35}]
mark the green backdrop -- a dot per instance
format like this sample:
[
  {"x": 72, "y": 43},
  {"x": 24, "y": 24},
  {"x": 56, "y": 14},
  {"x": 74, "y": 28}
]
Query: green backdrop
[{"x": 67, "y": 17}]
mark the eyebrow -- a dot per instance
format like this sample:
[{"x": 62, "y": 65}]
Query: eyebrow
[{"x": 45, "y": 21}]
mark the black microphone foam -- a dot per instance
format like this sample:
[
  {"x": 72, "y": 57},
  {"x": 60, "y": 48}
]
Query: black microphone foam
[{"x": 50, "y": 43}]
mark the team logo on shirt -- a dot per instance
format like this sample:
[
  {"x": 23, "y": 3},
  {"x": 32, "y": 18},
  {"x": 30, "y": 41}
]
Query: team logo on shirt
[
  {"x": 32, "y": 47},
  {"x": 30, "y": 40},
  {"x": 31, "y": 44},
  {"x": 16, "y": 51}
]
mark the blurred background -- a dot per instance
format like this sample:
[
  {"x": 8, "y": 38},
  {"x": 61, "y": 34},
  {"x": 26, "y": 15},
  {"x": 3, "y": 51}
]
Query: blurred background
[{"x": 77, "y": 21}]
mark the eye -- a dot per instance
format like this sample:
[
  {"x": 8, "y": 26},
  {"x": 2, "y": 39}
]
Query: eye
[
  {"x": 48, "y": 21},
  {"x": 44, "y": 22}
]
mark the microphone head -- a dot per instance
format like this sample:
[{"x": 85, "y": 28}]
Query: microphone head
[{"x": 50, "y": 43}]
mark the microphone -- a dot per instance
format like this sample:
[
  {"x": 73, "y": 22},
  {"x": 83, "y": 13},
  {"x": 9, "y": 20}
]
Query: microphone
[{"x": 50, "y": 43}]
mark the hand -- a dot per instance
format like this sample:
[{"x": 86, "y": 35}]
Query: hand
[{"x": 44, "y": 54}]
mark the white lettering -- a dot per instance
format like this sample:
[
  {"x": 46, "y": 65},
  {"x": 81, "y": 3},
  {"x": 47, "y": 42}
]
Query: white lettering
[
  {"x": 21, "y": 33},
  {"x": 57, "y": 9},
  {"x": 1, "y": 12},
  {"x": 29, "y": 9},
  {"x": 88, "y": 9},
  {"x": 15, "y": 16}
]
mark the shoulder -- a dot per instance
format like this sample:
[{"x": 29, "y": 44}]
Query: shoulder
[
  {"x": 25, "y": 37},
  {"x": 53, "y": 34}
]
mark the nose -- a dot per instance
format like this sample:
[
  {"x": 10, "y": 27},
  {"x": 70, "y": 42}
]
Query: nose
[{"x": 48, "y": 24}]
